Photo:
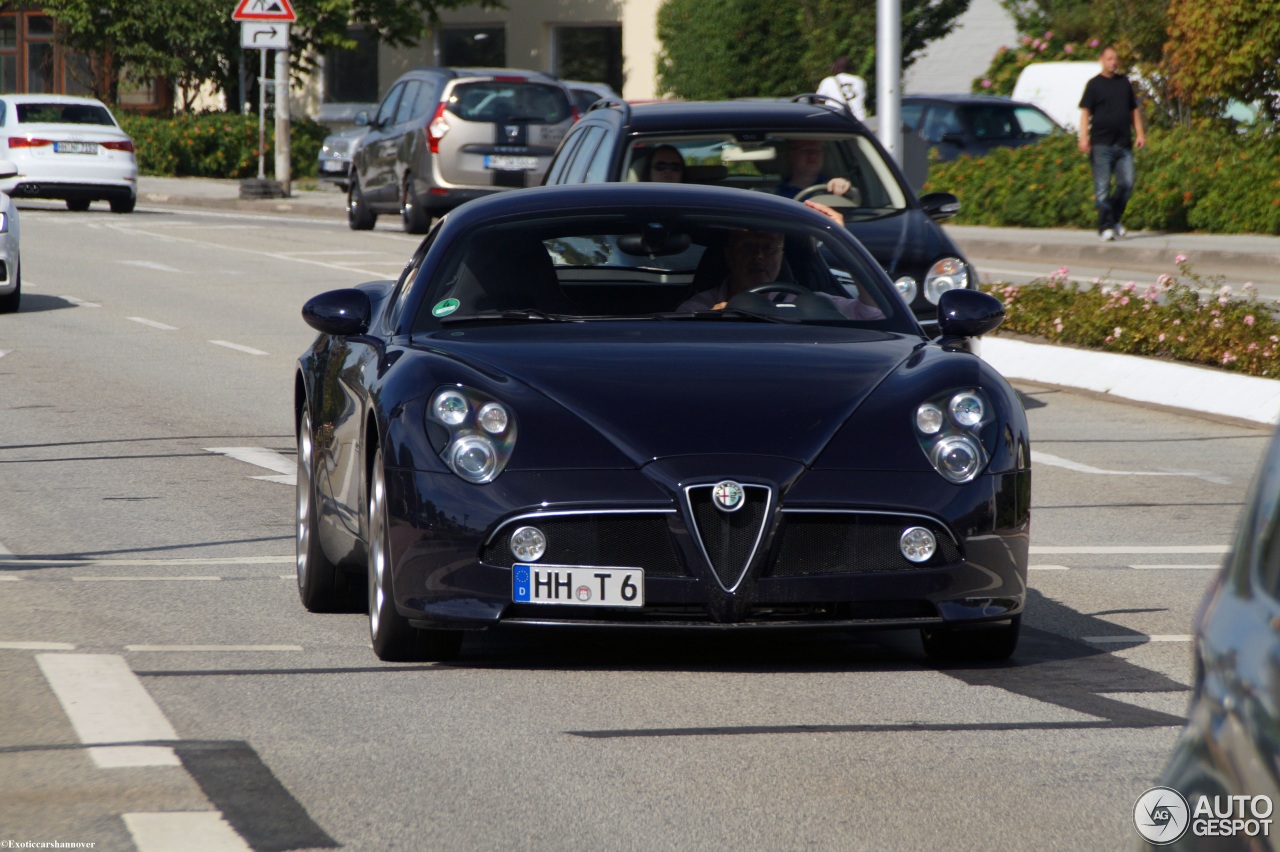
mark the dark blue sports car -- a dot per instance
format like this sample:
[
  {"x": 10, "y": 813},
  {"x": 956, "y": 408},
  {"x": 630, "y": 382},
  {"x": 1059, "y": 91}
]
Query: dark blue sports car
[{"x": 655, "y": 405}]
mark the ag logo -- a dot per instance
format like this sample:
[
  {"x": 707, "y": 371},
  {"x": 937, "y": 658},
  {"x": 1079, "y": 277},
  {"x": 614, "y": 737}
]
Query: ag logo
[
  {"x": 727, "y": 495},
  {"x": 1161, "y": 815}
]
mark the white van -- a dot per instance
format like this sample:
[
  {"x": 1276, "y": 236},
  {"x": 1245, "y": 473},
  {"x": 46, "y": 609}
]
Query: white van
[{"x": 1056, "y": 88}]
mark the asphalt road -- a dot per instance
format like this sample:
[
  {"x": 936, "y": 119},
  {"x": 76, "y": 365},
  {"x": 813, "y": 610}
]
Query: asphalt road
[{"x": 163, "y": 689}]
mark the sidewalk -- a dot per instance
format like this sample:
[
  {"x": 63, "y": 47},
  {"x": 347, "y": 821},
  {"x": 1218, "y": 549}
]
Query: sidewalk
[{"x": 1139, "y": 379}]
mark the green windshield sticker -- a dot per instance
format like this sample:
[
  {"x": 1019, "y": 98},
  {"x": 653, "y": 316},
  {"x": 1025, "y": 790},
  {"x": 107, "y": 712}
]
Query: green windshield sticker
[{"x": 445, "y": 308}]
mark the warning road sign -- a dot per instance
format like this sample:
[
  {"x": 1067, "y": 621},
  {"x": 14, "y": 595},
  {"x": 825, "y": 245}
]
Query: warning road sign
[{"x": 278, "y": 11}]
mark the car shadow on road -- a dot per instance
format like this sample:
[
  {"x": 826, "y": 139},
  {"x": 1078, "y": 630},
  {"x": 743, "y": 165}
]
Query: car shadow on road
[{"x": 36, "y": 302}]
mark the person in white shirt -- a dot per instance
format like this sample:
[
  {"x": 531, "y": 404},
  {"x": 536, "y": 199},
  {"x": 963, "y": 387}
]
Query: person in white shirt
[{"x": 846, "y": 88}]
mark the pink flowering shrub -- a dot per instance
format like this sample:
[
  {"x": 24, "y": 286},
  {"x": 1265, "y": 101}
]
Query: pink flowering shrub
[
  {"x": 1008, "y": 62},
  {"x": 1183, "y": 317}
]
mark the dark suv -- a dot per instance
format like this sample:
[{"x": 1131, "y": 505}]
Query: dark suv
[
  {"x": 749, "y": 144},
  {"x": 442, "y": 136}
]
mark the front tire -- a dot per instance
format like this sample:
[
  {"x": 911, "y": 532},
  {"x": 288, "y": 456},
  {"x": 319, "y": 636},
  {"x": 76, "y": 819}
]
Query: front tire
[
  {"x": 976, "y": 644},
  {"x": 394, "y": 639},
  {"x": 322, "y": 586},
  {"x": 413, "y": 216},
  {"x": 121, "y": 205},
  {"x": 359, "y": 216}
]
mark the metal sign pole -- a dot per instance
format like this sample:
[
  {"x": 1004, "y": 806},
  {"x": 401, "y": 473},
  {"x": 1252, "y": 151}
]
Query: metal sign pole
[{"x": 262, "y": 116}]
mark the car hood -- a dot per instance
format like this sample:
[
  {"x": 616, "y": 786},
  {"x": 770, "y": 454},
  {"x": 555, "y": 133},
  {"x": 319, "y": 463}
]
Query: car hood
[
  {"x": 907, "y": 242},
  {"x": 658, "y": 390}
]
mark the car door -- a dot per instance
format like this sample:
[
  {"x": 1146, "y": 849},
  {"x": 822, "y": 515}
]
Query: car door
[
  {"x": 942, "y": 129},
  {"x": 379, "y": 150}
]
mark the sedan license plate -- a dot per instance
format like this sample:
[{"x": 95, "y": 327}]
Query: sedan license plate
[
  {"x": 333, "y": 166},
  {"x": 506, "y": 161},
  {"x": 75, "y": 147},
  {"x": 575, "y": 585}
]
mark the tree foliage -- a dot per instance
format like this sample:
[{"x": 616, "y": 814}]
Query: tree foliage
[
  {"x": 714, "y": 49},
  {"x": 1224, "y": 50}
]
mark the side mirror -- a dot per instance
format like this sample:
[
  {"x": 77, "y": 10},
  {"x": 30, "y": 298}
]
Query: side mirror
[
  {"x": 8, "y": 169},
  {"x": 361, "y": 119},
  {"x": 968, "y": 313},
  {"x": 341, "y": 313},
  {"x": 940, "y": 205}
]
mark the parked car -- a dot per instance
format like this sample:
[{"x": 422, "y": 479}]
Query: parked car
[
  {"x": 334, "y": 161},
  {"x": 443, "y": 136},
  {"x": 1229, "y": 752},
  {"x": 529, "y": 428},
  {"x": 585, "y": 94},
  {"x": 10, "y": 256},
  {"x": 67, "y": 148},
  {"x": 975, "y": 124},
  {"x": 746, "y": 144}
]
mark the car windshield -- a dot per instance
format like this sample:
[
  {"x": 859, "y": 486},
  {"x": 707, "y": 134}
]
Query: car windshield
[
  {"x": 656, "y": 265},
  {"x": 56, "y": 113},
  {"x": 500, "y": 100},
  {"x": 782, "y": 164}
]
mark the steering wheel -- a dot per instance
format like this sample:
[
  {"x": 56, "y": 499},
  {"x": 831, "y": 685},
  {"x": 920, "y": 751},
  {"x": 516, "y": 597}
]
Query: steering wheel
[
  {"x": 852, "y": 198},
  {"x": 779, "y": 287}
]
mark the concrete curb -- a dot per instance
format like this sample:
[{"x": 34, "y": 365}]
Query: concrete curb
[
  {"x": 1138, "y": 379},
  {"x": 325, "y": 209}
]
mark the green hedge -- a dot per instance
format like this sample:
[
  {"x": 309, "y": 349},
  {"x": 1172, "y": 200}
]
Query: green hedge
[
  {"x": 218, "y": 144},
  {"x": 1207, "y": 179}
]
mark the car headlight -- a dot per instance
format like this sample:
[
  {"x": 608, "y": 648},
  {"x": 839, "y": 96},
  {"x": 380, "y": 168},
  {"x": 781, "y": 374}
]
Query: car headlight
[
  {"x": 948, "y": 428},
  {"x": 478, "y": 433},
  {"x": 950, "y": 273},
  {"x": 908, "y": 288},
  {"x": 4, "y": 223}
]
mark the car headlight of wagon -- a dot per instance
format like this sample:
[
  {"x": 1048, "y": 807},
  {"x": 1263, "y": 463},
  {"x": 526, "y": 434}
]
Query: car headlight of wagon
[
  {"x": 948, "y": 427},
  {"x": 477, "y": 433},
  {"x": 950, "y": 273}
]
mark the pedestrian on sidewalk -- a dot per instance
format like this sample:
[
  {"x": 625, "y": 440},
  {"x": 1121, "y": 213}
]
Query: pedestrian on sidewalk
[
  {"x": 846, "y": 87},
  {"x": 1111, "y": 130}
]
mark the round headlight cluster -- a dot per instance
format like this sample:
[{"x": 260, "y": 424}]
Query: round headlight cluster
[
  {"x": 481, "y": 432},
  {"x": 908, "y": 288},
  {"x": 949, "y": 428},
  {"x": 950, "y": 273}
]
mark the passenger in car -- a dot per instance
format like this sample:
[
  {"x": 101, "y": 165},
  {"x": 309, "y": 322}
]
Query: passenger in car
[
  {"x": 665, "y": 165},
  {"x": 754, "y": 259},
  {"x": 805, "y": 158}
]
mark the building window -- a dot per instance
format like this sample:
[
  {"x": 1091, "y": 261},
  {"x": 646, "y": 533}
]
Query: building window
[
  {"x": 472, "y": 46},
  {"x": 351, "y": 76},
  {"x": 590, "y": 54}
]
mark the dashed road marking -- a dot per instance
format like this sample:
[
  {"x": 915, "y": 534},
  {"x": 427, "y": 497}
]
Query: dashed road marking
[
  {"x": 1126, "y": 548},
  {"x": 286, "y": 468},
  {"x": 206, "y": 831},
  {"x": 141, "y": 579},
  {"x": 141, "y": 648},
  {"x": 152, "y": 323},
  {"x": 36, "y": 646},
  {"x": 106, "y": 703},
  {"x": 150, "y": 264},
  {"x": 74, "y": 562},
  {"x": 1176, "y": 567},
  {"x": 1138, "y": 638},
  {"x": 80, "y": 302},
  {"x": 1048, "y": 568},
  {"x": 248, "y": 350},
  {"x": 1078, "y": 467}
]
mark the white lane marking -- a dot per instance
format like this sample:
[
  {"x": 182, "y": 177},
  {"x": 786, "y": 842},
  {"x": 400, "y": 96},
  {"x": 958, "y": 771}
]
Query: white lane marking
[
  {"x": 248, "y": 350},
  {"x": 80, "y": 302},
  {"x": 149, "y": 264},
  {"x": 1175, "y": 567},
  {"x": 1123, "y": 548},
  {"x": 4, "y": 551},
  {"x": 1138, "y": 639},
  {"x": 36, "y": 646},
  {"x": 1047, "y": 568},
  {"x": 8, "y": 579},
  {"x": 106, "y": 703},
  {"x": 213, "y": 647},
  {"x": 142, "y": 579},
  {"x": 152, "y": 323},
  {"x": 133, "y": 563},
  {"x": 262, "y": 457},
  {"x": 1058, "y": 461},
  {"x": 4, "y": 352},
  {"x": 206, "y": 831}
]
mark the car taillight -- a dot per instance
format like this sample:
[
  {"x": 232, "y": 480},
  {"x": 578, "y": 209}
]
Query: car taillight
[
  {"x": 28, "y": 142},
  {"x": 437, "y": 129},
  {"x": 126, "y": 145},
  {"x": 576, "y": 115}
]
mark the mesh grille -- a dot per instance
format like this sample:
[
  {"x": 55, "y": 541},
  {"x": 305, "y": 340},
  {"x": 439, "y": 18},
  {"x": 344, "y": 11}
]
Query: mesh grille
[
  {"x": 630, "y": 541},
  {"x": 850, "y": 544},
  {"x": 729, "y": 537}
]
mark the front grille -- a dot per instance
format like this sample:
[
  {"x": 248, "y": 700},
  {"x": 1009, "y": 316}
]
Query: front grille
[
  {"x": 619, "y": 541},
  {"x": 729, "y": 539},
  {"x": 840, "y": 543}
]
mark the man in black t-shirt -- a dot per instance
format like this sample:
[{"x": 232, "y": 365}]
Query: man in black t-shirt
[{"x": 1108, "y": 111}]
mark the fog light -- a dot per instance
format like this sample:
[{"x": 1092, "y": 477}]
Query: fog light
[
  {"x": 918, "y": 544},
  {"x": 528, "y": 544}
]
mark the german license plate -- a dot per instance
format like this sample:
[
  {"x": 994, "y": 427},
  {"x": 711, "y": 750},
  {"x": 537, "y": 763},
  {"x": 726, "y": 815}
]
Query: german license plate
[
  {"x": 75, "y": 147},
  {"x": 333, "y": 166},
  {"x": 506, "y": 161},
  {"x": 574, "y": 585}
]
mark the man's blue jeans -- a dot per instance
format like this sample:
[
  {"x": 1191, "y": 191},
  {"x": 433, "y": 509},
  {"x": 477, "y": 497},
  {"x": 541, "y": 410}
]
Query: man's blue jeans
[{"x": 1109, "y": 161}]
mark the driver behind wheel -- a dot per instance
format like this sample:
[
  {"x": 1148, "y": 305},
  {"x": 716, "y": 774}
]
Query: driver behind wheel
[
  {"x": 754, "y": 260},
  {"x": 805, "y": 158}
]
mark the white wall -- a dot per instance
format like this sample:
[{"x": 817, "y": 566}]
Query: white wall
[{"x": 950, "y": 64}]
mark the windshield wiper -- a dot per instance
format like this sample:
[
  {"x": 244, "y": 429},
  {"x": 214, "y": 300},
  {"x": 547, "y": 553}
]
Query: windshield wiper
[
  {"x": 518, "y": 314},
  {"x": 736, "y": 313}
]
